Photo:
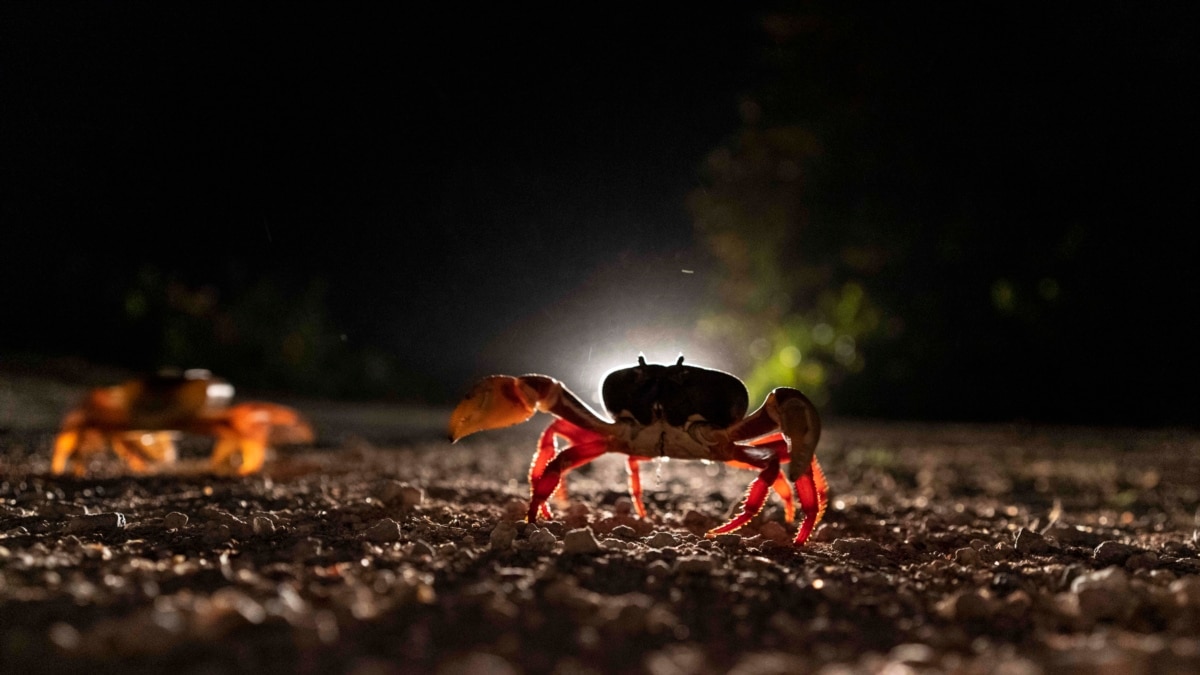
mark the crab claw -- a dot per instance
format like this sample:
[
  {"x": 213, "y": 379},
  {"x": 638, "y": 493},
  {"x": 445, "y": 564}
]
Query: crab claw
[{"x": 496, "y": 401}]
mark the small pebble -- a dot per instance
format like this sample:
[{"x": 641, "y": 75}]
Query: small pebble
[
  {"x": 624, "y": 532},
  {"x": 968, "y": 557},
  {"x": 515, "y": 510},
  {"x": 972, "y": 605},
  {"x": 1113, "y": 553},
  {"x": 662, "y": 540},
  {"x": 421, "y": 548},
  {"x": 1104, "y": 594},
  {"x": 98, "y": 523},
  {"x": 383, "y": 532},
  {"x": 263, "y": 525},
  {"x": 1186, "y": 591},
  {"x": 397, "y": 493},
  {"x": 728, "y": 539},
  {"x": 502, "y": 535},
  {"x": 175, "y": 520},
  {"x": 1029, "y": 542},
  {"x": 580, "y": 541},
  {"x": 658, "y": 568},
  {"x": 914, "y": 654},
  {"x": 541, "y": 540}
]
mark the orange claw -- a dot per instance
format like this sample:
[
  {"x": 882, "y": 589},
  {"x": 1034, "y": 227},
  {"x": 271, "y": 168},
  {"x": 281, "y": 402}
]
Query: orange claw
[{"x": 494, "y": 402}]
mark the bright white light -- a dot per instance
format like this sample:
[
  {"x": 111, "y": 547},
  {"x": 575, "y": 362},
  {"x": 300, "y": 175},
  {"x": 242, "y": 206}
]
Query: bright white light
[
  {"x": 637, "y": 304},
  {"x": 221, "y": 391}
]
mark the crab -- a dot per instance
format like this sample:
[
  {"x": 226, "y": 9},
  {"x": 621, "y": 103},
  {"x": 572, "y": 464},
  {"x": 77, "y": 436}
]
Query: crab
[
  {"x": 142, "y": 418},
  {"x": 677, "y": 412}
]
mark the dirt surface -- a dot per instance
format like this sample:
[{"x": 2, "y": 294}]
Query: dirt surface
[{"x": 945, "y": 548}]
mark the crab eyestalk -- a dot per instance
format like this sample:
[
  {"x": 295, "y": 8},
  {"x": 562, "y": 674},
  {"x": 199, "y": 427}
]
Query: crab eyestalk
[{"x": 495, "y": 402}]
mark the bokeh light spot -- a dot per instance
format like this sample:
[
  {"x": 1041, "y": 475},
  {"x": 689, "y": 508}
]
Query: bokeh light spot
[
  {"x": 1004, "y": 295},
  {"x": 1048, "y": 288},
  {"x": 822, "y": 334},
  {"x": 790, "y": 356}
]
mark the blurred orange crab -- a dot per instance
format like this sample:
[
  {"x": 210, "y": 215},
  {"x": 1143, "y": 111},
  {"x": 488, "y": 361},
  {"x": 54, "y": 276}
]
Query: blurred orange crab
[{"x": 142, "y": 418}]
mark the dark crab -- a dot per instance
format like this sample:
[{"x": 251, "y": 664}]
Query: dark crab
[{"x": 679, "y": 412}]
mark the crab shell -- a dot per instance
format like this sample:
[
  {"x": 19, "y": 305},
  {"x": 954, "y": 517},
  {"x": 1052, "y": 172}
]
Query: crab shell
[{"x": 649, "y": 393}]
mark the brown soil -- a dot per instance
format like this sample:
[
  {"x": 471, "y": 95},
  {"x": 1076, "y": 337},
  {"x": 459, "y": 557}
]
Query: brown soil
[{"x": 945, "y": 548}]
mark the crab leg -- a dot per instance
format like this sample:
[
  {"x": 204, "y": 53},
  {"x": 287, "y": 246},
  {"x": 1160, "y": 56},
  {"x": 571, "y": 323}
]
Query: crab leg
[
  {"x": 577, "y": 436},
  {"x": 635, "y": 484},
  {"x": 781, "y": 486},
  {"x": 129, "y": 452},
  {"x": 790, "y": 413},
  {"x": 573, "y": 457},
  {"x": 812, "y": 489},
  {"x": 756, "y": 494},
  {"x": 547, "y": 448},
  {"x": 65, "y": 446},
  {"x": 248, "y": 427}
]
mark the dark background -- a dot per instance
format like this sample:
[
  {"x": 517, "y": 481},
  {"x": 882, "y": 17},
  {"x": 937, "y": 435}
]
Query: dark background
[{"x": 353, "y": 201}]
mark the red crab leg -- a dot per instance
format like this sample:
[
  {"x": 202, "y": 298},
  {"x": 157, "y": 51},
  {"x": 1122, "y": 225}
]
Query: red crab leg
[
  {"x": 571, "y": 458},
  {"x": 782, "y": 486},
  {"x": 635, "y": 485},
  {"x": 813, "y": 494},
  {"x": 547, "y": 449},
  {"x": 790, "y": 412},
  {"x": 756, "y": 494},
  {"x": 545, "y": 452}
]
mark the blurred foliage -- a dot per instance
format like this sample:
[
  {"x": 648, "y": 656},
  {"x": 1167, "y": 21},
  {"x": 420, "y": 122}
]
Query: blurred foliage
[
  {"x": 795, "y": 314},
  {"x": 793, "y": 301},
  {"x": 881, "y": 243},
  {"x": 269, "y": 334}
]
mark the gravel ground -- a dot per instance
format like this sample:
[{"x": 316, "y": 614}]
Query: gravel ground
[{"x": 945, "y": 549}]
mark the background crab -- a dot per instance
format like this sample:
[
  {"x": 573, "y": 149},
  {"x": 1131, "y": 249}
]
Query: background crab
[
  {"x": 142, "y": 418},
  {"x": 679, "y": 412}
]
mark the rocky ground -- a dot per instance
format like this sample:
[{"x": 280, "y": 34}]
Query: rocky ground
[{"x": 945, "y": 549}]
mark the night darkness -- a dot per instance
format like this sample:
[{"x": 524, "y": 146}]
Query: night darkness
[{"x": 426, "y": 198}]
